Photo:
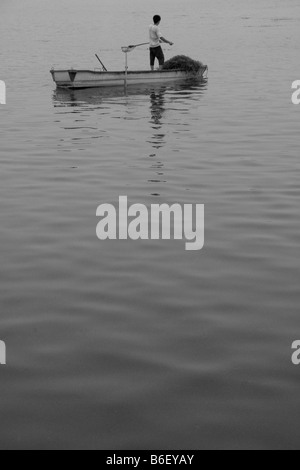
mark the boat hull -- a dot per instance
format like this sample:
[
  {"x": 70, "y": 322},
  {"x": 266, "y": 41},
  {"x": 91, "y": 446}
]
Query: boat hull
[{"x": 79, "y": 79}]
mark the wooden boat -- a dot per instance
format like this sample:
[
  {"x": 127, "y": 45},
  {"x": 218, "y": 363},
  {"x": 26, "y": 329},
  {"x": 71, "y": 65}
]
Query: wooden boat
[{"x": 79, "y": 79}]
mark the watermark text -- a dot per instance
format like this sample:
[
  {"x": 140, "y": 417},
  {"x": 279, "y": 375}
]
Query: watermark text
[
  {"x": 2, "y": 353},
  {"x": 296, "y": 94},
  {"x": 151, "y": 459},
  {"x": 2, "y": 92},
  {"x": 296, "y": 353},
  {"x": 160, "y": 222}
]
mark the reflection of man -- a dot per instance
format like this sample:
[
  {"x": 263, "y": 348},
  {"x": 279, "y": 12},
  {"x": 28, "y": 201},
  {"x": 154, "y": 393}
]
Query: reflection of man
[
  {"x": 158, "y": 139},
  {"x": 156, "y": 39},
  {"x": 157, "y": 106}
]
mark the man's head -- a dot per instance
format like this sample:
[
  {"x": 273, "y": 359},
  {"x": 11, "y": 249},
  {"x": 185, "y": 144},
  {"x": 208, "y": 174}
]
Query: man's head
[{"x": 156, "y": 19}]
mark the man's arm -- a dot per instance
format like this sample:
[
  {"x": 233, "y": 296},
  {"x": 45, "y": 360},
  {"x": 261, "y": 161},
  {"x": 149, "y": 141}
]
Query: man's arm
[{"x": 162, "y": 39}]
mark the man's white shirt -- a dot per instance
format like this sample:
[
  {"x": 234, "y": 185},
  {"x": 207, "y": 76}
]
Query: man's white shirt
[{"x": 154, "y": 35}]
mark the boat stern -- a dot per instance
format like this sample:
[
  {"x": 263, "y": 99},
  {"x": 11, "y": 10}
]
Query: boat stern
[{"x": 63, "y": 78}]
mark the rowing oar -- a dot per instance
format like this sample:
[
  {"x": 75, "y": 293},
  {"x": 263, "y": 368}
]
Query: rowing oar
[{"x": 103, "y": 66}]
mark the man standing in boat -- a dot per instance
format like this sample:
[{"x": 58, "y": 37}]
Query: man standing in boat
[{"x": 156, "y": 39}]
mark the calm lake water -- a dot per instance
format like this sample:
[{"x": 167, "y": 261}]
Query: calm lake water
[{"x": 142, "y": 345}]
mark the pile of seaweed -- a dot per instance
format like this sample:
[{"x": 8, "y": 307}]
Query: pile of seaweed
[{"x": 183, "y": 63}]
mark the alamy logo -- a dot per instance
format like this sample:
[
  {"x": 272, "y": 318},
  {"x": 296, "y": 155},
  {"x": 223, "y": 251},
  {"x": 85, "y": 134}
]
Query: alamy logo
[
  {"x": 296, "y": 94},
  {"x": 159, "y": 222},
  {"x": 2, "y": 353},
  {"x": 2, "y": 92},
  {"x": 296, "y": 353}
]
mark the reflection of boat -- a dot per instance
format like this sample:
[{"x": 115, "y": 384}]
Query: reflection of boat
[
  {"x": 70, "y": 98},
  {"x": 95, "y": 97},
  {"x": 74, "y": 79}
]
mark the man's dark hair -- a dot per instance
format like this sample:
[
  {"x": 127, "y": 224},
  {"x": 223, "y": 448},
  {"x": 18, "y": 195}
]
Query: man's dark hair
[{"x": 156, "y": 19}]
